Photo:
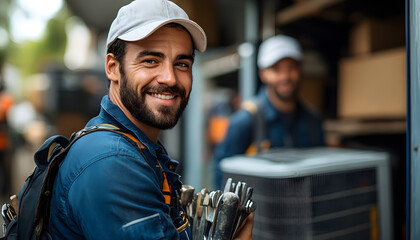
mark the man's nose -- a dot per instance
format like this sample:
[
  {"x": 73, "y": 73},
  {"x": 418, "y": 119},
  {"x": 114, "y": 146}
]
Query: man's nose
[
  {"x": 167, "y": 76},
  {"x": 285, "y": 74}
]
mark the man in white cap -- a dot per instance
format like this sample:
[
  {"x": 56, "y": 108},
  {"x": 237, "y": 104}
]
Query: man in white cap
[
  {"x": 115, "y": 186},
  {"x": 275, "y": 117}
]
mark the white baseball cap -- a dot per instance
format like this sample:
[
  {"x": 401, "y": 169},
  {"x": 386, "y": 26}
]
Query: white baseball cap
[
  {"x": 277, "y": 48},
  {"x": 141, "y": 18}
]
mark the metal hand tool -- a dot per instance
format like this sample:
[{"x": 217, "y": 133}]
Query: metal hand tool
[
  {"x": 241, "y": 192},
  {"x": 8, "y": 213},
  {"x": 244, "y": 193},
  {"x": 212, "y": 213},
  {"x": 197, "y": 215},
  {"x": 4, "y": 214},
  {"x": 227, "y": 211},
  {"x": 238, "y": 191},
  {"x": 186, "y": 196},
  {"x": 251, "y": 206},
  {"x": 5, "y": 218},
  {"x": 249, "y": 192},
  {"x": 217, "y": 215},
  {"x": 200, "y": 213},
  {"x": 191, "y": 210},
  {"x": 204, "y": 225},
  {"x": 228, "y": 185},
  {"x": 243, "y": 212}
]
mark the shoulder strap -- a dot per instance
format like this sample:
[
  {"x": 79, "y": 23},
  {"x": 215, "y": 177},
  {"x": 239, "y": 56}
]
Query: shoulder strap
[
  {"x": 41, "y": 156},
  {"x": 44, "y": 201},
  {"x": 313, "y": 124},
  {"x": 106, "y": 127},
  {"x": 259, "y": 130},
  {"x": 165, "y": 187}
]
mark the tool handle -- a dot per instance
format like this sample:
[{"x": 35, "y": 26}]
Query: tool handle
[
  {"x": 14, "y": 202},
  {"x": 228, "y": 209}
]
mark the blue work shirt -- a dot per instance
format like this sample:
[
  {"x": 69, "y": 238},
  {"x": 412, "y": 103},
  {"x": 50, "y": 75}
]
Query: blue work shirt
[
  {"x": 303, "y": 128},
  {"x": 106, "y": 189}
]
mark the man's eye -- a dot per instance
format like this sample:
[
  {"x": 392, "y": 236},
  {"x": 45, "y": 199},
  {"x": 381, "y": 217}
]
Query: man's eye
[
  {"x": 183, "y": 65},
  {"x": 150, "y": 61}
]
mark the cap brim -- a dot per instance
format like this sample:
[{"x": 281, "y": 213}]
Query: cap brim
[
  {"x": 277, "y": 55},
  {"x": 196, "y": 32}
]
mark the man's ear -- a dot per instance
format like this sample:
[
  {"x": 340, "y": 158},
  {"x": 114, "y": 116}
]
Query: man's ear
[
  {"x": 112, "y": 68},
  {"x": 261, "y": 74}
]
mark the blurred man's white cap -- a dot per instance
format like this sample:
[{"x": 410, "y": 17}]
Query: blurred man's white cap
[
  {"x": 141, "y": 18},
  {"x": 277, "y": 48}
]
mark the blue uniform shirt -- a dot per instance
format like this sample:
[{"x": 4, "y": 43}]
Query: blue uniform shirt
[
  {"x": 106, "y": 189},
  {"x": 303, "y": 128}
]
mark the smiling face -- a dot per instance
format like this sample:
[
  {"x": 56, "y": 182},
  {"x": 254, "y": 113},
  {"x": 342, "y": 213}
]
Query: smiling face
[
  {"x": 282, "y": 79},
  {"x": 153, "y": 82}
]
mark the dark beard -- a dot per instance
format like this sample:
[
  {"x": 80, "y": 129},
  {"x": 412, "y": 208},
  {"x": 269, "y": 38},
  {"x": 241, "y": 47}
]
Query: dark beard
[
  {"x": 137, "y": 106},
  {"x": 293, "y": 96},
  {"x": 289, "y": 98}
]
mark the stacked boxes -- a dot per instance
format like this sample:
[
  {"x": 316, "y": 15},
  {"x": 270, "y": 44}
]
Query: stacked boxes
[
  {"x": 372, "y": 82},
  {"x": 373, "y": 86}
]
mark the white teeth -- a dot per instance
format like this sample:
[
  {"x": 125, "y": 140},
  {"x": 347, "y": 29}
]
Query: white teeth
[{"x": 161, "y": 96}]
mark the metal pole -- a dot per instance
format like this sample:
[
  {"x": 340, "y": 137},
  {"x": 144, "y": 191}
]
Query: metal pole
[
  {"x": 268, "y": 25},
  {"x": 385, "y": 201},
  {"x": 413, "y": 117},
  {"x": 194, "y": 130},
  {"x": 248, "y": 69}
]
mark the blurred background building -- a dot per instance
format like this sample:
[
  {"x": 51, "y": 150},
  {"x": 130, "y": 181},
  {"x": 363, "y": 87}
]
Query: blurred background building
[{"x": 52, "y": 56}]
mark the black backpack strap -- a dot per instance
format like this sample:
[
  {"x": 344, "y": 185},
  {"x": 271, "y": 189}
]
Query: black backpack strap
[
  {"x": 41, "y": 156},
  {"x": 259, "y": 126},
  {"x": 44, "y": 201}
]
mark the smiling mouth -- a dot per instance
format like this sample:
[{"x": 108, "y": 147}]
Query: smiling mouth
[{"x": 163, "y": 96}]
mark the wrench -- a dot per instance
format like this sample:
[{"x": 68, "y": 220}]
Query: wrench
[
  {"x": 186, "y": 196},
  {"x": 228, "y": 208},
  {"x": 213, "y": 210},
  {"x": 243, "y": 211},
  {"x": 228, "y": 186}
]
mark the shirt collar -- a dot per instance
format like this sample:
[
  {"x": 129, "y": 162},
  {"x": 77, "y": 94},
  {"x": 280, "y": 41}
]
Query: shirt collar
[
  {"x": 271, "y": 113},
  {"x": 112, "y": 113}
]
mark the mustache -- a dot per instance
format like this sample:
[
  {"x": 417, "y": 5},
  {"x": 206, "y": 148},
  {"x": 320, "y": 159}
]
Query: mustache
[{"x": 163, "y": 88}]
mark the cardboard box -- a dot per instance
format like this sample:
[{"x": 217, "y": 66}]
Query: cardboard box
[
  {"x": 373, "y": 86},
  {"x": 371, "y": 35}
]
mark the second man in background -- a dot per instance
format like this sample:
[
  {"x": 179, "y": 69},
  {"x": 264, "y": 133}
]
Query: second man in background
[{"x": 275, "y": 117}]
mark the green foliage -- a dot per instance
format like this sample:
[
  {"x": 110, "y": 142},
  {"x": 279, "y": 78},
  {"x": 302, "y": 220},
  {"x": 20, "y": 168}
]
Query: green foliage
[
  {"x": 32, "y": 57},
  {"x": 4, "y": 23},
  {"x": 4, "y": 13}
]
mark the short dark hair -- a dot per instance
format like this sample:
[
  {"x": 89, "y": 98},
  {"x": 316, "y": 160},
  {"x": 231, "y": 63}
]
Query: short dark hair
[{"x": 118, "y": 49}]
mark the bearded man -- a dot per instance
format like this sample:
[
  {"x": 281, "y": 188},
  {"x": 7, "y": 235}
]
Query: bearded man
[
  {"x": 107, "y": 187},
  {"x": 276, "y": 117}
]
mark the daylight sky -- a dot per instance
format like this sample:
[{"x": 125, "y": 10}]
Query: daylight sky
[{"x": 29, "y": 19}]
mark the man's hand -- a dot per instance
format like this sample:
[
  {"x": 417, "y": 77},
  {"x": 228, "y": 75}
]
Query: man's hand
[{"x": 245, "y": 230}]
